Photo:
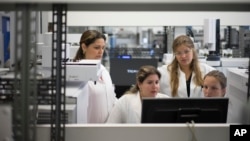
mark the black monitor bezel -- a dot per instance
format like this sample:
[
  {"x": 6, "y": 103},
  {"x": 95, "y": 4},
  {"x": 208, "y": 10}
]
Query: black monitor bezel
[{"x": 183, "y": 110}]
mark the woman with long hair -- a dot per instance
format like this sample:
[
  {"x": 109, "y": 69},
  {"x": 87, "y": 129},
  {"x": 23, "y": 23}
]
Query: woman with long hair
[{"x": 183, "y": 77}]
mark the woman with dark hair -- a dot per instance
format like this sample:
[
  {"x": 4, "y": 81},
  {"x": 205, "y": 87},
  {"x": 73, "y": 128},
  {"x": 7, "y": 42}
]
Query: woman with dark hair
[
  {"x": 128, "y": 107},
  {"x": 101, "y": 95}
]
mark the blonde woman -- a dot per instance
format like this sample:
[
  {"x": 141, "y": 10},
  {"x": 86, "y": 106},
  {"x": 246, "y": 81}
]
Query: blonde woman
[{"x": 183, "y": 77}]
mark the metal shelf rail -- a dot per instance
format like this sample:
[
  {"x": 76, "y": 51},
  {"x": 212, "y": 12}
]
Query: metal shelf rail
[
  {"x": 25, "y": 22},
  {"x": 24, "y": 92},
  {"x": 58, "y": 72}
]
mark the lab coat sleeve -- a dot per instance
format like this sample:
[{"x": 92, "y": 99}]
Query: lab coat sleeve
[
  {"x": 117, "y": 113},
  {"x": 101, "y": 98},
  {"x": 110, "y": 89}
]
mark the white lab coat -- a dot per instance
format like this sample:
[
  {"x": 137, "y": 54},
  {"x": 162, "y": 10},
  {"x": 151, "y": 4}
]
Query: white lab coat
[
  {"x": 195, "y": 91},
  {"x": 101, "y": 98},
  {"x": 128, "y": 109}
]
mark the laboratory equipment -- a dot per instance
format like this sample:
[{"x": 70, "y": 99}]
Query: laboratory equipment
[{"x": 212, "y": 41}]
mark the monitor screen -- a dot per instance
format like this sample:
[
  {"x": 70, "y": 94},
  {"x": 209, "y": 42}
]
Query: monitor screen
[
  {"x": 4, "y": 40},
  {"x": 183, "y": 110},
  {"x": 123, "y": 71}
]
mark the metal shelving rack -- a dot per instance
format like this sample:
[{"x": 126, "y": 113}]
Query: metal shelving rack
[
  {"x": 58, "y": 72},
  {"x": 24, "y": 130},
  {"x": 25, "y": 91}
]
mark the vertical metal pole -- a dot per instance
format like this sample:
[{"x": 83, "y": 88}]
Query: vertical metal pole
[
  {"x": 24, "y": 81},
  {"x": 58, "y": 72},
  {"x": 165, "y": 40}
]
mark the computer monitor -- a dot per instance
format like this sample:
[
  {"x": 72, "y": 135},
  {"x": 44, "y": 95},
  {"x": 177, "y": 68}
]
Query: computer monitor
[
  {"x": 123, "y": 71},
  {"x": 183, "y": 110},
  {"x": 4, "y": 39}
]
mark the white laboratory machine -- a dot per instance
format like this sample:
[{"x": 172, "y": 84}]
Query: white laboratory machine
[
  {"x": 237, "y": 92},
  {"x": 78, "y": 73},
  {"x": 47, "y": 51},
  {"x": 233, "y": 63},
  {"x": 167, "y": 58},
  {"x": 210, "y": 41},
  {"x": 83, "y": 70}
]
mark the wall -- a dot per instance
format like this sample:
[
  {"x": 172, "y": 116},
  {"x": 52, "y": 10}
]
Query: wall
[{"x": 110, "y": 18}]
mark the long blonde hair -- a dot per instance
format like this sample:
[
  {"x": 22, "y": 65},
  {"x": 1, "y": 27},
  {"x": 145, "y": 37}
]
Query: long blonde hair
[{"x": 174, "y": 65}]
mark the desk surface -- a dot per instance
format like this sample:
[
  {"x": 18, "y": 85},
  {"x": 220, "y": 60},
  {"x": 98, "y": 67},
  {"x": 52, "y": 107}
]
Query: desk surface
[
  {"x": 139, "y": 132},
  {"x": 239, "y": 72}
]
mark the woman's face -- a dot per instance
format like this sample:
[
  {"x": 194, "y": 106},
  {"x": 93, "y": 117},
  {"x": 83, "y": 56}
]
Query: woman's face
[
  {"x": 184, "y": 55},
  {"x": 94, "y": 50},
  {"x": 212, "y": 87},
  {"x": 150, "y": 86}
]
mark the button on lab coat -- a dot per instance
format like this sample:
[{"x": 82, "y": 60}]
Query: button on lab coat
[{"x": 195, "y": 91}]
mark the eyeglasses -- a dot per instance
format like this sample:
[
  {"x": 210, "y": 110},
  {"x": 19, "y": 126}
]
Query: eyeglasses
[{"x": 184, "y": 52}]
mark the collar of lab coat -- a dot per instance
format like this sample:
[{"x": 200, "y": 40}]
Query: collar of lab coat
[
  {"x": 180, "y": 71},
  {"x": 138, "y": 102}
]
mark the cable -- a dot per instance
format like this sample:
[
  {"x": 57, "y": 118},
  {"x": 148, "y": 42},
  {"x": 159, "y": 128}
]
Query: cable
[{"x": 192, "y": 130}]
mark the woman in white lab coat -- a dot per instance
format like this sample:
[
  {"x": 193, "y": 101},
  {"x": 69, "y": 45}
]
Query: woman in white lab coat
[
  {"x": 215, "y": 85},
  {"x": 101, "y": 95},
  {"x": 128, "y": 107},
  {"x": 183, "y": 77}
]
